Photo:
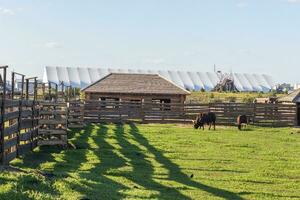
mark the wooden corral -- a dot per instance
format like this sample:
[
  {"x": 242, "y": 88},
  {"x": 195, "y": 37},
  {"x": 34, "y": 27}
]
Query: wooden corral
[
  {"x": 273, "y": 115},
  {"x": 25, "y": 122},
  {"x": 19, "y": 134},
  {"x": 52, "y": 123},
  {"x": 75, "y": 114},
  {"x": 18, "y": 118},
  {"x": 293, "y": 98}
]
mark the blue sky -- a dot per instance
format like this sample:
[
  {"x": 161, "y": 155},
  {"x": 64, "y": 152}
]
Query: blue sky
[{"x": 254, "y": 36}]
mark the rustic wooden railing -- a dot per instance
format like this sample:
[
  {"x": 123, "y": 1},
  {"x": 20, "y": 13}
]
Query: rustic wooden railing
[
  {"x": 19, "y": 134},
  {"x": 272, "y": 115}
]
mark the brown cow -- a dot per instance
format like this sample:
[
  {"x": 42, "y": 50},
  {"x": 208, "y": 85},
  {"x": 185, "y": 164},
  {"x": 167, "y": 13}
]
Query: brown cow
[
  {"x": 242, "y": 120},
  {"x": 205, "y": 118}
]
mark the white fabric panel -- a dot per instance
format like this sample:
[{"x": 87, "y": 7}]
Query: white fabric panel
[
  {"x": 73, "y": 77},
  {"x": 142, "y": 71},
  {"x": 122, "y": 70},
  {"x": 246, "y": 86},
  {"x": 45, "y": 76},
  {"x": 238, "y": 84},
  {"x": 103, "y": 72},
  {"x": 198, "y": 85},
  {"x": 82, "y": 77},
  {"x": 269, "y": 80},
  {"x": 262, "y": 82},
  {"x": 94, "y": 74},
  {"x": 187, "y": 82},
  {"x": 208, "y": 86},
  {"x": 152, "y": 72},
  {"x": 175, "y": 78},
  {"x": 133, "y": 71},
  {"x": 254, "y": 84},
  {"x": 165, "y": 74},
  {"x": 52, "y": 75},
  {"x": 112, "y": 70},
  {"x": 85, "y": 79},
  {"x": 63, "y": 75},
  {"x": 213, "y": 77}
]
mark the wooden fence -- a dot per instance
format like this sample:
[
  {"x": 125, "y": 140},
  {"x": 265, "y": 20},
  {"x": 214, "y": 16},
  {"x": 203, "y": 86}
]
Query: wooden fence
[
  {"x": 25, "y": 124},
  {"x": 18, "y": 128},
  {"x": 52, "y": 123},
  {"x": 273, "y": 115}
]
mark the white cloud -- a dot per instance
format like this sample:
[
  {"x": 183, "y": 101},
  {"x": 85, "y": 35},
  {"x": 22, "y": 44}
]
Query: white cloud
[
  {"x": 53, "y": 45},
  {"x": 6, "y": 11}
]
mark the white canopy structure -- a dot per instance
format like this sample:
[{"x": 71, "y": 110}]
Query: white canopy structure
[{"x": 192, "y": 81}]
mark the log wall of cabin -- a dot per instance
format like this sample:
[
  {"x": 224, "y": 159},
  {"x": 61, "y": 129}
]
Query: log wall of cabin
[{"x": 147, "y": 98}]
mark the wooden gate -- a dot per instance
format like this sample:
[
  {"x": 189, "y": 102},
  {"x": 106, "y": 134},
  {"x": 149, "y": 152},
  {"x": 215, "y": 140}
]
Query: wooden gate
[{"x": 52, "y": 123}]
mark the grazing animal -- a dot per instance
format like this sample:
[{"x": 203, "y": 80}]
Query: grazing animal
[
  {"x": 205, "y": 118},
  {"x": 242, "y": 120}
]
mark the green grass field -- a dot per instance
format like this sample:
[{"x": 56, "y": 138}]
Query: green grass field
[
  {"x": 161, "y": 162},
  {"x": 243, "y": 97}
]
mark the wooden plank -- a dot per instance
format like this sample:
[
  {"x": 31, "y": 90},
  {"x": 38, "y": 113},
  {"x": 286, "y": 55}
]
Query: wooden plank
[
  {"x": 10, "y": 116},
  {"x": 24, "y": 148},
  {"x": 70, "y": 120},
  {"x": 75, "y": 126},
  {"x": 26, "y": 136},
  {"x": 53, "y": 112},
  {"x": 10, "y": 143},
  {"x": 27, "y": 103},
  {"x": 26, "y": 113},
  {"x": 11, "y": 130},
  {"x": 51, "y": 142},
  {"x": 52, "y": 121},
  {"x": 52, "y": 132},
  {"x": 10, "y": 156},
  {"x": 26, "y": 123},
  {"x": 11, "y": 103},
  {"x": 56, "y": 104}
]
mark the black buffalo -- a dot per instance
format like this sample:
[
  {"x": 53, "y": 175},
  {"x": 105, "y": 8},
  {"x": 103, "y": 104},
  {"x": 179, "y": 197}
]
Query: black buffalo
[
  {"x": 242, "y": 120},
  {"x": 205, "y": 118}
]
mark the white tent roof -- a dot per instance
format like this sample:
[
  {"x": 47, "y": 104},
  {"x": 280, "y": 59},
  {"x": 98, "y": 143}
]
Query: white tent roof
[{"x": 82, "y": 77}]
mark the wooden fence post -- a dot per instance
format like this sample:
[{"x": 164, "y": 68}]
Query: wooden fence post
[
  {"x": 2, "y": 113},
  {"x": 254, "y": 114},
  {"x": 20, "y": 116}
]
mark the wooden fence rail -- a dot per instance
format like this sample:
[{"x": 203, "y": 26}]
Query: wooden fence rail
[
  {"x": 19, "y": 132},
  {"x": 260, "y": 114}
]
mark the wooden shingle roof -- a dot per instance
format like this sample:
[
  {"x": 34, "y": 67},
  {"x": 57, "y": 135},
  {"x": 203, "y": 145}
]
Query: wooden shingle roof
[
  {"x": 292, "y": 97},
  {"x": 124, "y": 83}
]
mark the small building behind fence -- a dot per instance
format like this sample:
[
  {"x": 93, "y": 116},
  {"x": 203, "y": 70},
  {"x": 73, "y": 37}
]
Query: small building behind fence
[
  {"x": 293, "y": 98},
  {"x": 143, "y": 88}
]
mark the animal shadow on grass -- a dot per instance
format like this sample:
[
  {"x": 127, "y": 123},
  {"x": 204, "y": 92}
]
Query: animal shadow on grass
[
  {"x": 175, "y": 172},
  {"x": 143, "y": 169},
  {"x": 247, "y": 129}
]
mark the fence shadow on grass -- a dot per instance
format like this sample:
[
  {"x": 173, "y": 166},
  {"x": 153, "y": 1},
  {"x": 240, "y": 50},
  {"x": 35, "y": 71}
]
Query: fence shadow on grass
[
  {"x": 93, "y": 183},
  {"x": 23, "y": 185},
  {"x": 175, "y": 172},
  {"x": 143, "y": 170},
  {"x": 32, "y": 162}
]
